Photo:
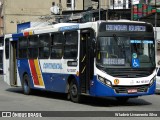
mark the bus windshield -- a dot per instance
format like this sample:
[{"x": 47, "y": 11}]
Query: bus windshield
[{"x": 125, "y": 52}]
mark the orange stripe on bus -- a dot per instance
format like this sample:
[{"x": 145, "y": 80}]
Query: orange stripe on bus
[
  {"x": 33, "y": 72},
  {"x": 40, "y": 79}
]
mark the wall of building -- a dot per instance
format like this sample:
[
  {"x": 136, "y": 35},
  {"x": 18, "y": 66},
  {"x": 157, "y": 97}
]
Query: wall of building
[
  {"x": 1, "y": 26},
  {"x": 87, "y": 4},
  {"x": 13, "y": 20},
  {"x": 19, "y": 11},
  {"x": 27, "y": 7},
  {"x": 104, "y": 4},
  {"x": 1, "y": 18}
]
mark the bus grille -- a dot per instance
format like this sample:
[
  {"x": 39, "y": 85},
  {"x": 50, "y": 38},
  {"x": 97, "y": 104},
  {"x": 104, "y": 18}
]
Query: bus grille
[
  {"x": 124, "y": 89},
  {"x": 129, "y": 73}
]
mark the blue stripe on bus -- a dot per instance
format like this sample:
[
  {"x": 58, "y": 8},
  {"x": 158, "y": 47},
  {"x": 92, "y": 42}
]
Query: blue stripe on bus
[{"x": 16, "y": 36}]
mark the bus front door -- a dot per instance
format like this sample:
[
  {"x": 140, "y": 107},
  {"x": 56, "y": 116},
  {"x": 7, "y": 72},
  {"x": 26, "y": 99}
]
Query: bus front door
[{"x": 86, "y": 69}]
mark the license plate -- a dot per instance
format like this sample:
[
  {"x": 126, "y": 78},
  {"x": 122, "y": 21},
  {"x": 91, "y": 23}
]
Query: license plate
[{"x": 132, "y": 90}]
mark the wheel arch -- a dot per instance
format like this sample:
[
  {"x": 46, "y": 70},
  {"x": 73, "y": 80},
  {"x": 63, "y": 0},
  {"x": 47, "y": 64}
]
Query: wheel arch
[
  {"x": 69, "y": 80},
  {"x": 24, "y": 74},
  {"x": 29, "y": 81}
]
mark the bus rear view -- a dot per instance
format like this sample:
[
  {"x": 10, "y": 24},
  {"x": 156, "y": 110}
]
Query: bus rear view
[{"x": 125, "y": 60}]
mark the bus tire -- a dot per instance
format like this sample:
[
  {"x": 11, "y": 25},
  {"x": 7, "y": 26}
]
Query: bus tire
[
  {"x": 26, "y": 85},
  {"x": 122, "y": 100},
  {"x": 73, "y": 92}
]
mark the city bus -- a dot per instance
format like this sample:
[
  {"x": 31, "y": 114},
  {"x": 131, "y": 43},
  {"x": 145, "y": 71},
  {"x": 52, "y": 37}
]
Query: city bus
[{"x": 101, "y": 59}]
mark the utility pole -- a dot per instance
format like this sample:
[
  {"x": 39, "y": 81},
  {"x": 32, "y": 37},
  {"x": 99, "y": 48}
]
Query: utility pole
[
  {"x": 113, "y": 5},
  {"x": 99, "y": 10},
  {"x": 131, "y": 10},
  {"x": 113, "y": 11},
  {"x": 155, "y": 21}
]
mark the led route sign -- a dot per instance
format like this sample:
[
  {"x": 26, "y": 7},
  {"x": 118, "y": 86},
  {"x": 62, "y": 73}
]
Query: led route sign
[{"x": 125, "y": 28}]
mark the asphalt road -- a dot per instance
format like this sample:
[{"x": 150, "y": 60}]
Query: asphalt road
[{"x": 13, "y": 99}]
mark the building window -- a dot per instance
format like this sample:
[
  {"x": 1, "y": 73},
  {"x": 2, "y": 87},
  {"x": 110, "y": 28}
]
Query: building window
[{"x": 69, "y": 3}]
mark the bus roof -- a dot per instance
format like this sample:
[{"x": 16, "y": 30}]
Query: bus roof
[
  {"x": 58, "y": 25},
  {"x": 65, "y": 26},
  {"x": 50, "y": 26}
]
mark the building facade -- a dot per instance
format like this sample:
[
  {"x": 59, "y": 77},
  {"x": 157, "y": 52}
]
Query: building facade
[{"x": 13, "y": 12}]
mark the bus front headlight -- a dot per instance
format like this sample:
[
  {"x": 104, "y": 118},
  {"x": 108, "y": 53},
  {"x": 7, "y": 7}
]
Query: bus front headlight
[
  {"x": 104, "y": 81},
  {"x": 152, "y": 81}
]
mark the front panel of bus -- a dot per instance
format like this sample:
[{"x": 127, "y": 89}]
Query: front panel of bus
[{"x": 125, "y": 60}]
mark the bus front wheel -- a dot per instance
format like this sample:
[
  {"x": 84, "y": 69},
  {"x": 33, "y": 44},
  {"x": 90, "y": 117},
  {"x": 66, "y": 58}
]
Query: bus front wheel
[
  {"x": 73, "y": 92},
  {"x": 25, "y": 85}
]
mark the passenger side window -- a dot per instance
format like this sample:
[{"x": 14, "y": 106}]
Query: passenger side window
[
  {"x": 22, "y": 45},
  {"x": 44, "y": 44},
  {"x": 71, "y": 45},
  {"x": 33, "y": 47},
  {"x": 57, "y": 41}
]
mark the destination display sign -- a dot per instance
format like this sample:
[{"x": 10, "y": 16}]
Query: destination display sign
[
  {"x": 134, "y": 28},
  {"x": 125, "y": 27}
]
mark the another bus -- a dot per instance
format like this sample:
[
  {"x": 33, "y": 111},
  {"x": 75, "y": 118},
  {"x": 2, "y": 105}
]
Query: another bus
[{"x": 102, "y": 59}]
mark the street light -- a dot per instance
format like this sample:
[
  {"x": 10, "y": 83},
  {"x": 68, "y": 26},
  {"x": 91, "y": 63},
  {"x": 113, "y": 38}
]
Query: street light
[{"x": 155, "y": 21}]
